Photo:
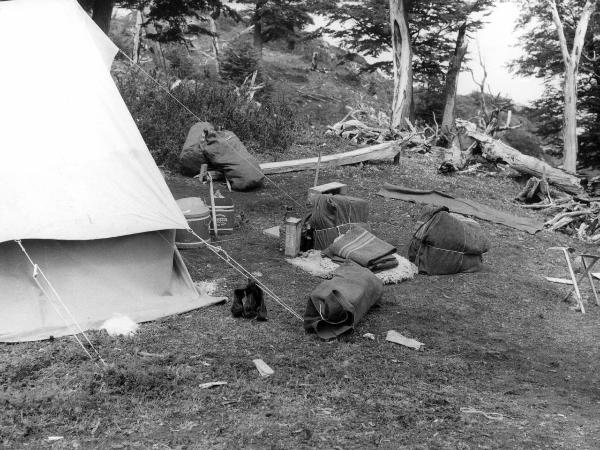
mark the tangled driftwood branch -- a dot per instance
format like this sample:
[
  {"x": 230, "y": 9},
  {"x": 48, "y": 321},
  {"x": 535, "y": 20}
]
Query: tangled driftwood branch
[
  {"x": 367, "y": 126},
  {"x": 578, "y": 217}
]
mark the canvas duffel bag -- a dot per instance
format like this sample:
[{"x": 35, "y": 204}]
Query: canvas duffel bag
[
  {"x": 445, "y": 244},
  {"x": 225, "y": 152},
  {"x": 192, "y": 154}
]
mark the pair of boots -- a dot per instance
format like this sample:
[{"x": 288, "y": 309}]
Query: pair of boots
[{"x": 249, "y": 302}]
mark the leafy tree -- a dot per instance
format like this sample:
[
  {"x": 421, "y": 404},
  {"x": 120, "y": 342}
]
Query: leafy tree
[
  {"x": 433, "y": 27},
  {"x": 556, "y": 52},
  {"x": 168, "y": 16},
  {"x": 467, "y": 18},
  {"x": 276, "y": 19},
  {"x": 239, "y": 60},
  {"x": 101, "y": 12}
]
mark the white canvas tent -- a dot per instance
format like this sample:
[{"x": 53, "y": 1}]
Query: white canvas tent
[{"x": 78, "y": 186}]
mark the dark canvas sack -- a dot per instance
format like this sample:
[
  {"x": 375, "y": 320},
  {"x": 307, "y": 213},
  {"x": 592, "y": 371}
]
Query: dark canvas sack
[
  {"x": 334, "y": 215},
  {"x": 445, "y": 244},
  {"x": 225, "y": 152},
  {"x": 192, "y": 154},
  {"x": 335, "y": 306}
]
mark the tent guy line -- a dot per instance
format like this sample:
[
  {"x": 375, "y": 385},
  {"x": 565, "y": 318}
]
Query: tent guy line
[
  {"x": 38, "y": 271},
  {"x": 93, "y": 221},
  {"x": 243, "y": 271},
  {"x": 200, "y": 120}
]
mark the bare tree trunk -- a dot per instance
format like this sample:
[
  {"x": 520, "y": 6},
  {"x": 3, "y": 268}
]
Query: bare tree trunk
[
  {"x": 258, "y": 37},
  {"x": 212, "y": 26},
  {"x": 258, "y": 40},
  {"x": 484, "y": 116},
  {"x": 452, "y": 79},
  {"x": 215, "y": 37},
  {"x": 571, "y": 64},
  {"x": 102, "y": 14},
  {"x": 137, "y": 36},
  {"x": 570, "y": 122},
  {"x": 403, "y": 73}
]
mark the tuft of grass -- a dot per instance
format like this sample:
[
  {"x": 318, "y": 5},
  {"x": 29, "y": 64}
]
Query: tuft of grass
[{"x": 145, "y": 380}]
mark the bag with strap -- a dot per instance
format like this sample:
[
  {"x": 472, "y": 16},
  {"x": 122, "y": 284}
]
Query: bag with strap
[
  {"x": 192, "y": 154},
  {"x": 446, "y": 244},
  {"x": 334, "y": 215},
  {"x": 225, "y": 152},
  {"x": 335, "y": 306}
]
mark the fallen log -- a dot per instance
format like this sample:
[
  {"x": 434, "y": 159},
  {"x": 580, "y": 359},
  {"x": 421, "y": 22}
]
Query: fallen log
[
  {"x": 380, "y": 152},
  {"x": 455, "y": 159},
  {"x": 495, "y": 150}
]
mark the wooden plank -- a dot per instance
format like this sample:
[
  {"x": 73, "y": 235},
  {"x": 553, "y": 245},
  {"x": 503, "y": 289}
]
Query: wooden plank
[
  {"x": 263, "y": 368},
  {"x": 212, "y": 384},
  {"x": 559, "y": 280},
  {"x": 329, "y": 188},
  {"x": 397, "y": 338},
  {"x": 334, "y": 186},
  {"x": 379, "y": 152}
]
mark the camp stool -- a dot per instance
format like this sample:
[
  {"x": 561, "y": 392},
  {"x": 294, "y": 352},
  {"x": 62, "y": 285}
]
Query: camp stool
[{"x": 588, "y": 262}]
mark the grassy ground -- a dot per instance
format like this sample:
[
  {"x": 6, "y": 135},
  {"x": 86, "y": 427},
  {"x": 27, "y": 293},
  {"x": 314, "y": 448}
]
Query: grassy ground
[{"x": 498, "y": 341}]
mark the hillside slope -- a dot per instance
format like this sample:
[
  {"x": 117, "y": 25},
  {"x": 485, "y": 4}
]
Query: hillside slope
[{"x": 319, "y": 98}]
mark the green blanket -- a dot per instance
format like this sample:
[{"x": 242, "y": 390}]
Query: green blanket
[{"x": 461, "y": 206}]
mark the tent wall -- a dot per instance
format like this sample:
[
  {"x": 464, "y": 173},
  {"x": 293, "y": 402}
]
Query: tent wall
[
  {"x": 74, "y": 165},
  {"x": 140, "y": 276}
]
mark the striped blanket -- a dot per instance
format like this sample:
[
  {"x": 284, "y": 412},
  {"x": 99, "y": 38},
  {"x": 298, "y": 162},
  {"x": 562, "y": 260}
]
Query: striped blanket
[{"x": 364, "y": 248}]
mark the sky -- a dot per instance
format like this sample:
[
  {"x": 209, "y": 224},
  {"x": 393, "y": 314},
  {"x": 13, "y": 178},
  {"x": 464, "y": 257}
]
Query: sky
[{"x": 498, "y": 41}]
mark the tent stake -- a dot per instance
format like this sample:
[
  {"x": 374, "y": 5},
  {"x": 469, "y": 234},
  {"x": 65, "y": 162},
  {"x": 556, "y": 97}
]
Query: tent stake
[
  {"x": 212, "y": 206},
  {"x": 317, "y": 172}
]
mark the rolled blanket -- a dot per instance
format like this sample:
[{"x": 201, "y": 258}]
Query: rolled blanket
[
  {"x": 335, "y": 306},
  {"x": 364, "y": 248}
]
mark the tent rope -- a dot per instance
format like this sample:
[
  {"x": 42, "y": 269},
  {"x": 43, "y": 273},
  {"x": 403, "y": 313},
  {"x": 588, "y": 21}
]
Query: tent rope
[
  {"x": 277, "y": 186},
  {"x": 222, "y": 254},
  {"x": 37, "y": 271}
]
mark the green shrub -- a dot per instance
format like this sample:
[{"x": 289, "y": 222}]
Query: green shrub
[
  {"x": 164, "y": 123},
  {"x": 524, "y": 141},
  {"x": 181, "y": 64},
  {"x": 350, "y": 76},
  {"x": 239, "y": 60}
]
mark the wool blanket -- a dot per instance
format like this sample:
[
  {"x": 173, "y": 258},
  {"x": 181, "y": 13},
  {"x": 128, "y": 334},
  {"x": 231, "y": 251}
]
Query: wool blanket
[
  {"x": 319, "y": 266},
  {"x": 461, "y": 206},
  {"x": 364, "y": 248}
]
